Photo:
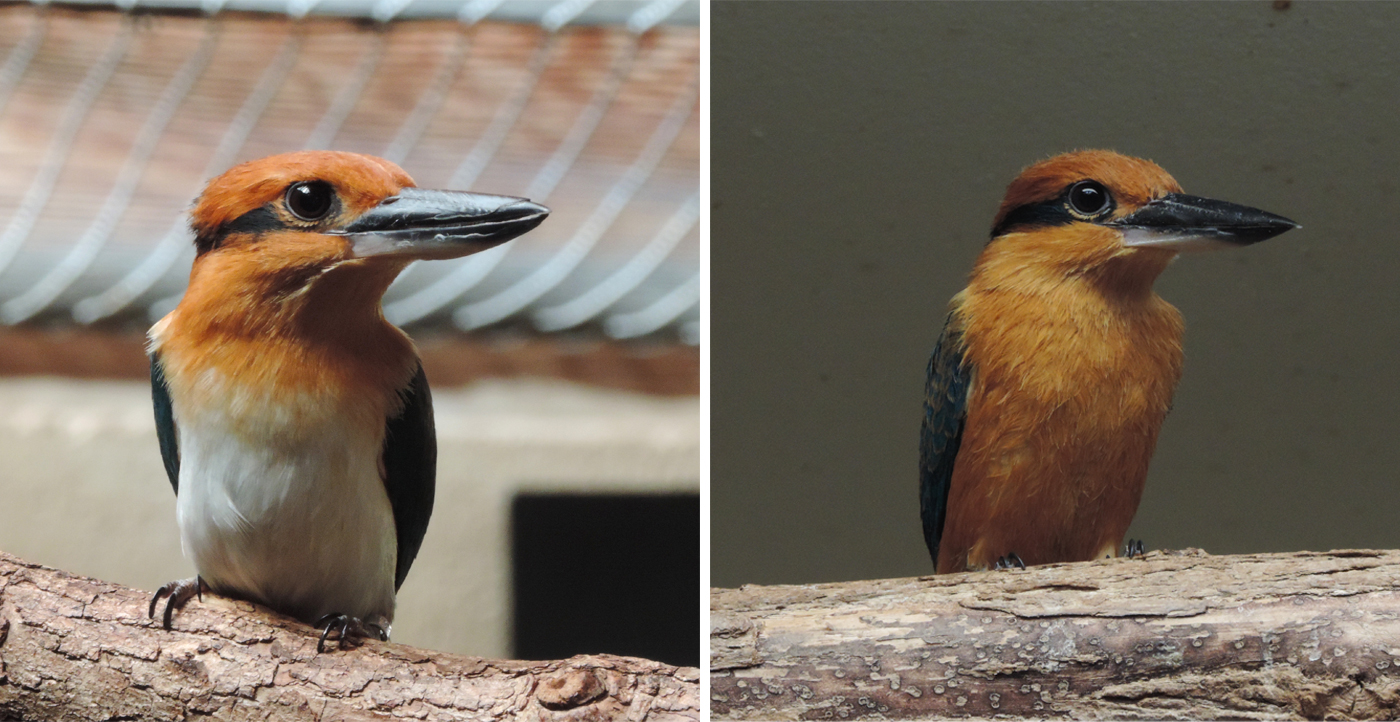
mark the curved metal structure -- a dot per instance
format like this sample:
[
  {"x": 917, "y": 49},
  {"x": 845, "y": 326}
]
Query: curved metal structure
[{"x": 587, "y": 105}]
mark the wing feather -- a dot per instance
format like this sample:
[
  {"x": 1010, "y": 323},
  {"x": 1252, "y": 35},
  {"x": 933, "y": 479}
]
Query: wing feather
[
  {"x": 410, "y": 470},
  {"x": 945, "y": 414},
  {"x": 165, "y": 423}
]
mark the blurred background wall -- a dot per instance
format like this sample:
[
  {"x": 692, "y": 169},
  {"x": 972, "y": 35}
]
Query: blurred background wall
[
  {"x": 564, "y": 365},
  {"x": 859, "y": 152}
]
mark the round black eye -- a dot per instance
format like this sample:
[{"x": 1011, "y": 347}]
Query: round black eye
[
  {"x": 310, "y": 200},
  {"x": 1089, "y": 198}
]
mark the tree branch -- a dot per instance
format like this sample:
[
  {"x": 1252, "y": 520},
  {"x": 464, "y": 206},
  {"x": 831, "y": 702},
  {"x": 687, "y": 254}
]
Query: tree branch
[
  {"x": 74, "y": 648},
  {"x": 1176, "y": 635}
]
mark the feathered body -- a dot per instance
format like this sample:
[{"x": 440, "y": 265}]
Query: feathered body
[
  {"x": 1054, "y": 372},
  {"x": 1067, "y": 386},
  {"x": 295, "y": 421},
  {"x": 282, "y": 426}
]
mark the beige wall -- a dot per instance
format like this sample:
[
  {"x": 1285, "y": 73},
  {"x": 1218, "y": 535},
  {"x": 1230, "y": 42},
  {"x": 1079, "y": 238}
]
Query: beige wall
[
  {"x": 82, "y": 487},
  {"x": 859, "y": 151}
]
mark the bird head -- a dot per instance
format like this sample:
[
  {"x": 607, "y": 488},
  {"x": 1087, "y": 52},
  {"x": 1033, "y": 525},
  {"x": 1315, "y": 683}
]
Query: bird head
[
  {"x": 341, "y": 224},
  {"x": 1115, "y": 217},
  {"x": 343, "y": 206}
]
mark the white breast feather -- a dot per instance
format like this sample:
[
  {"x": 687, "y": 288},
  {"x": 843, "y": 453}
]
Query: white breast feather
[{"x": 288, "y": 508}]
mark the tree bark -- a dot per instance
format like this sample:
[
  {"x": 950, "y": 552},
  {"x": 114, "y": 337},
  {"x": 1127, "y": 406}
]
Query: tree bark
[
  {"x": 73, "y": 648},
  {"x": 1174, "y": 635}
]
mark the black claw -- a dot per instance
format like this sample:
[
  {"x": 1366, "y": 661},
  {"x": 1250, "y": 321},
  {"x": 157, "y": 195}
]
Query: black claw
[
  {"x": 1010, "y": 561},
  {"x": 1133, "y": 548},
  {"x": 329, "y": 620},
  {"x": 347, "y": 629},
  {"x": 176, "y": 594},
  {"x": 321, "y": 644},
  {"x": 155, "y": 599}
]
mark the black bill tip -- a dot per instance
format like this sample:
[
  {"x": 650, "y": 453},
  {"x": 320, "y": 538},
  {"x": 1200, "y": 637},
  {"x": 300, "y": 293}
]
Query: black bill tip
[
  {"x": 431, "y": 224},
  {"x": 1178, "y": 221}
]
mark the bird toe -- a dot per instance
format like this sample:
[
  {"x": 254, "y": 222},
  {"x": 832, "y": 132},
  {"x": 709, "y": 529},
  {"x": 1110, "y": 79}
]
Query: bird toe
[
  {"x": 1133, "y": 548},
  {"x": 348, "y": 631},
  {"x": 1010, "y": 561},
  {"x": 176, "y": 594}
]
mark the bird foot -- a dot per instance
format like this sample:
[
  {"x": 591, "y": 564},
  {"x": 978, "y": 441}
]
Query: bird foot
[
  {"x": 1133, "y": 548},
  {"x": 1010, "y": 561},
  {"x": 349, "y": 630},
  {"x": 179, "y": 592}
]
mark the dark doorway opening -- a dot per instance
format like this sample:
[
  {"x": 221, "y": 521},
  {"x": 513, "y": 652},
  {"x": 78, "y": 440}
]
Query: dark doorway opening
[{"x": 607, "y": 573}]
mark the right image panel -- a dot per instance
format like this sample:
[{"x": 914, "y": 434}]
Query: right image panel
[{"x": 1043, "y": 332}]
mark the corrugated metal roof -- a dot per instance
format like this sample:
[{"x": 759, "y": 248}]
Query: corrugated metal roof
[
  {"x": 581, "y": 12},
  {"x": 110, "y": 122}
]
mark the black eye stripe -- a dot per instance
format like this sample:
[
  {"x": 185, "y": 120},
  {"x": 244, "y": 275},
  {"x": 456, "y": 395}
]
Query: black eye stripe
[
  {"x": 1034, "y": 215},
  {"x": 267, "y": 218},
  {"x": 1052, "y": 212},
  {"x": 258, "y": 220}
]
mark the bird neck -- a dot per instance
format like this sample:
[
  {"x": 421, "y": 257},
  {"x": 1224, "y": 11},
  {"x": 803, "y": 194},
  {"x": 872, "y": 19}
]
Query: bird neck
[
  {"x": 1130, "y": 275},
  {"x": 1038, "y": 265},
  {"x": 284, "y": 333},
  {"x": 345, "y": 299},
  {"x": 242, "y": 295}
]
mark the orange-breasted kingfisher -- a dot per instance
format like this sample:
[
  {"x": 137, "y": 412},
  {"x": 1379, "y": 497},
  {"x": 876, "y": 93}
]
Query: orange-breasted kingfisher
[
  {"x": 1057, "y": 363},
  {"x": 295, "y": 422}
]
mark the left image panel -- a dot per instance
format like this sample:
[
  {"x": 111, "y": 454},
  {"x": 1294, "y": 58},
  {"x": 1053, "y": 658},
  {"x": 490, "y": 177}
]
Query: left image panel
[{"x": 351, "y": 334}]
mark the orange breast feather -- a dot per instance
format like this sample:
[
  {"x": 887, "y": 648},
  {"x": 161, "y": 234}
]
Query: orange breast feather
[
  {"x": 1072, "y": 378},
  {"x": 322, "y": 348}
]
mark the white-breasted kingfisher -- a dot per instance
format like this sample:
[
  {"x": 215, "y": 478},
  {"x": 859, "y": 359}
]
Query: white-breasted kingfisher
[
  {"x": 295, "y": 422},
  {"x": 1057, "y": 363}
]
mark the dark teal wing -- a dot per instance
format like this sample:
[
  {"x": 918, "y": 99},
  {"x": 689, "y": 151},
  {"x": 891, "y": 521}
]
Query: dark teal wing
[
  {"x": 410, "y": 467},
  {"x": 165, "y": 423},
  {"x": 945, "y": 413}
]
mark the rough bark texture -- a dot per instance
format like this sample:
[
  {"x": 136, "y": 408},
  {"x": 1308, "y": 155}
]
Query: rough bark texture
[
  {"x": 73, "y": 648},
  {"x": 1175, "y": 635}
]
